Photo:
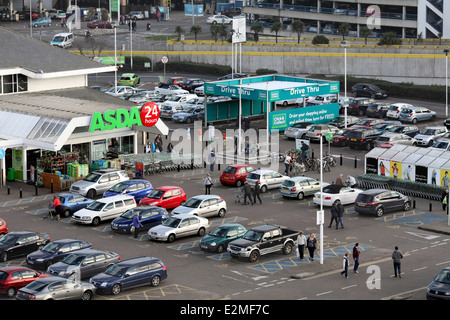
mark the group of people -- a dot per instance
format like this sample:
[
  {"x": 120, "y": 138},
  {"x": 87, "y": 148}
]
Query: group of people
[
  {"x": 350, "y": 182},
  {"x": 157, "y": 145},
  {"x": 251, "y": 193}
]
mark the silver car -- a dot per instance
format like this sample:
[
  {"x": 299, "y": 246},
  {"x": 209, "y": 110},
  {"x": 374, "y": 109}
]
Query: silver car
[
  {"x": 203, "y": 206},
  {"x": 416, "y": 114},
  {"x": 388, "y": 139},
  {"x": 300, "y": 187},
  {"x": 56, "y": 288},
  {"x": 98, "y": 182},
  {"x": 298, "y": 130},
  {"x": 320, "y": 130},
  {"x": 268, "y": 179},
  {"x": 178, "y": 226}
]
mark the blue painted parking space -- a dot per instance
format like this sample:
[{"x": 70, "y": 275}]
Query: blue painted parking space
[{"x": 413, "y": 218}]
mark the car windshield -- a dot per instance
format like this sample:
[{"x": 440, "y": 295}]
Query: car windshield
[
  {"x": 444, "y": 277},
  {"x": 116, "y": 271},
  {"x": 363, "y": 122},
  {"x": 252, "y": 235},
  {"x": 129, "y": 214},
  {"x": 96, "y": 206},
  {"x": 428, "y": 132},
  {"x": 171, "y": 222},
  {"x": 58, "y": 39},
  {"x": 155, "y": 194},
  {"x": 230, "y": 170},
  {"x": 383, "y": 139},
  {"x": 219, "y": 232},
  {"x": 193, "y": 203},
  {"x": 288, "y": 183},
  {"x": 397, "y": 129},
  {"x": 73, "y": 259},
  {"x": 37, "y": 285},
  {"x": 440, "y": 144},
  {"x": 175, "y": 99},
  {"x": 8, "y": 239},
  {"x": 253, "y": 176},
  {"x": 92, "y": 177},
  {"x": 118, "y": 188},
  {"x": 51, "y": 247},
  {"x": 393, "y": 108}
]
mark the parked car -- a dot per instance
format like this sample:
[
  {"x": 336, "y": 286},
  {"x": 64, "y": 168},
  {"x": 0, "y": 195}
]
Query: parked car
[
  {"x": 223, "y": 19},
  {"x": 122, "y": 91},
  {"x": 358, "y": 106},
  {"x": 3, "y": 227},
  {"x": 340, "y": 121},
  {"x": 83, "y": 264},
  {"x": 139, "y": 15},
  {"x": 298, "y": 130},
  {"x": 323, "y": 99},
  {"x": 56, "y": 288},
  {"x": 367, "y": 122},
  {"x": 55, "y": 251},
  {"x": 447, "y": 123},
  {"x": 300, "y": 187},
  {"x": 41, "y": 22},
  {"x": 439, "y": 288},
  {"x": 368, "y": 90},
  {"x": 20, "y": 243},
  {"x": 319, "y": 131},
  {"x": 388, "y": 139},
  {"x": 130, "y": 274},
  {"x": 99, "y": 24},
  {"x": 179, "y": 226},
  {"x": 149, "y": 216},
  {"x": 71, "y": 203},
  {"x": 235, "y": 174},
  {"x": 129, "y": 79},
  {"x": 362, "y": 138},
  {"x": 187, "y": 114},
  {"x": 334, "y": 192},
  {"x": 13, "y": 278},
  {"x": 175, "y": 80},
  {"x": 416, "y": 114},
  {"x": 167, "y": 197},
  {"x": 63, "y": 40},
  {"x": 170, "y": 89},
  {"x": 167, "y": 111},
  {"x": 196, "y": 102},
  {"x": 395, "y": 109},
  {"x": 380, "y": 201},
  {"x": 427, "y": 136},
  {"x": 340, "y": 137},
  {"x": 104, "y": 209},
  {"x": 268, "y": 179},
  {"x": 441, "y": 145},
  {"x": 384, "y": 126},
  {"x": 410, "y": 130},
  {"x": 286, "y": 102},
  {"x": 191, "y": 84},
  {"x": 98, "y": 181},
  {"x": 377, "y": 109},
  {"x": 233, "y": 76},
  {"x": 200, "y": 91},
  {"x": 203, "y": 206},
  {"x": 217, "y": 239},
  {"x": 56, "y": 14},
  {"x": 138, "y": 188}
]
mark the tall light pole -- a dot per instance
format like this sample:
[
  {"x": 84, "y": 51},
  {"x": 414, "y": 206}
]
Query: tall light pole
[
  {"x": 115, "y": 59},
  {"x": 446, "y": 82},
  {"x": 344, "y": 45}
]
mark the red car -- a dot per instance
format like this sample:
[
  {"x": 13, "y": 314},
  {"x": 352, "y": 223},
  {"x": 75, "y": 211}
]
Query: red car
[
  {"x": 3, "y": 227},
  {"x": 167, "y": 197},
  {"x": 12, "y": 278},
  {"x": 235, "y": 174},
  {"x": 340, "y": 138},
  {"x": 99, "y": 24}
]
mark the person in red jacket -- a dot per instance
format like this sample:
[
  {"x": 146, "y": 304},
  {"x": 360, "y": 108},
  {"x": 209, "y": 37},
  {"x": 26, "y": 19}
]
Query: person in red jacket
[{"x": 57, "y": 206}]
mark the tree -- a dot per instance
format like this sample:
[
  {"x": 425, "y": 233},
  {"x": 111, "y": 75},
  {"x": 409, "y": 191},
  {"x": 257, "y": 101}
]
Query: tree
[
  {"x": 276, "y": 27},
  {"x": 365, "y": 32},
  {"x": 390, "y": 39},
  {"x": 298, "y": 26},
  {"x": 257, "y": 28},
  {"x": 343, "y": 29},
  {"x": 179, "y": 30},
  {"x": 196, "y": 29},
  {"x": 215, "y": 31},
  {"x": 320, "y": 39}
]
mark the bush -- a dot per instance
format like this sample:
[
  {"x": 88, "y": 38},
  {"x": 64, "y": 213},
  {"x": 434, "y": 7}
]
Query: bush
[
  {"x": 320, "y": 40},
  {"x": 193, "y": 68},
  {"x": 138, "y": 64},
  {"x": 389, "y": 39},
  {"x": 264, "y": 71}
]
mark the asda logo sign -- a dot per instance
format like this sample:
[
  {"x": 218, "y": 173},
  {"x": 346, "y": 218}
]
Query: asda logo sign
[{"x": 115, "y": 119}]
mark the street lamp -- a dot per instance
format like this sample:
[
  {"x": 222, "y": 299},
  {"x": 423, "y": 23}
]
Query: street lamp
[
  {"x": 115, "y": 59},
  {"x": 344, "y": 45},
  {"x": 446, "y": 82}
]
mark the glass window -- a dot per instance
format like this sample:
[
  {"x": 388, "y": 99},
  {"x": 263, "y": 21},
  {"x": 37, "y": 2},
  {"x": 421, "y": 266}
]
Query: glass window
[
  {"x": 89, "y": 260},
  {"x": 16, "y": 275},
  {"x": 28, "y": 274},
  {"x": 99, "y": 257}
]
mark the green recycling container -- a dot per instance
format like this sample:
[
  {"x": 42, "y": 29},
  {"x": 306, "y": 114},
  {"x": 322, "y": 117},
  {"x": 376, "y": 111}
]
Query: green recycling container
[{"x": 10, "y": 176}]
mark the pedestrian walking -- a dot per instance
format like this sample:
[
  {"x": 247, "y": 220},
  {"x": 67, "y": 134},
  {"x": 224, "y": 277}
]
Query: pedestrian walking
[
  {"x": 444, "y": 200},
  {"x": 397, "y": 259},
  {"x": 212, "y": 160},
  {"x": 57, "y": 205},
  {"x": 256, "y": 192},
  {"x": 340, "y": 180},
  {"x": 287, "y": 163},
  {"x": 208, "y": 184},
  {"x": 134, "y": 24},
  {"x": 356, "y": 257},
  {"x": 311, "y": 245},
  {"x": 159, "y": 143},
  {"x": 247, "y": 193},
  {"x": 137, "y": 225},
  {"x": 334, "y": 215},
  {"x": 304, "y": 148},
  {"x": 340, "y": 212},
  {"x": 345, "y": 265},
  {"x": 301, "y": 242}
]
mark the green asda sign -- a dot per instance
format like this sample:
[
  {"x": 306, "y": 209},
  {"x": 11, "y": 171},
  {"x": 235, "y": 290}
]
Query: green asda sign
[{"x": 115, "y": 119}]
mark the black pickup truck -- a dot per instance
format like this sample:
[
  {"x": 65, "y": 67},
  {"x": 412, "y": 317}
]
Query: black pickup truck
[{"x": 262, "y": 240}]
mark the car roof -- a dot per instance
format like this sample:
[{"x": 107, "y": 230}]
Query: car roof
[
  {"x": 10, "y": 269},
  {"x": 113, "y": 198},
  {"x": 22, "y": 232},
  {"x": 134, "y": 261},
  {"x": 63, "y": 34},
  {"x": 374, "y": 191},
  {"x": 266, "y": 227},
  {"x": 240, "y": 165},
  {"x": 262, "y": 171},
  {"x": 205, "y": 196},
  {"x": 164, "y": 188},
  {"x": 133, "y": 181},
  {"x": 66, "y": 240},
  {"x": 83, "y": 252}
]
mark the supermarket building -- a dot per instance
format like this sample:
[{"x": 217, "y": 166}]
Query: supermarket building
[{"x": 46, "y": 107}]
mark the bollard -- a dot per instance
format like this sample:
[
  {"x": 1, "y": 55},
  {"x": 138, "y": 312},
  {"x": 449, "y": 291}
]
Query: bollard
[
  {"x": 356, "y": 162},
  {"x": 218, "y": 166},
  {"x": 414, "y": 203},
  {"x": 20, "y": 193},
  {"x": 9, "y": 191},
  {"x": 431, "y": 207},
  {"x": 340, "y": 161},
  {"x": 35, "y": 190},
  {"x": 178, "y": 169},
  {"x": 312, "y": 154},
  {"x": 51, "y": 186}
]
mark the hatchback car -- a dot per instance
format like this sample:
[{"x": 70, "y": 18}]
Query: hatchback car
[
  {"x": 20, "y": 243},
  {"x": 340, "y": 121},
  {"x": 168, "y": 111},
  {"x": 149, "y": 216},
  {"x": 223, "y": 19},
  {"x": 191, "y": 84},
  {"x": 55, "y": 251},
  {"x": 318, "y": 131},
  {"x": 417, "y": 114},
  {"x": 323, "y": 99},
  {"x": 83, "y": 264},
  {"x": 120, "y": 91},
  {"x": 12, "y": 278},
  {"x": 368, "y": 90},
  {"x": 130, "y": 274},
  {"x": 377, "y": 109},
  {"x": 429, "y": 135},
  {"x": 334, "y": 192},
  {"x": 41, "y": 22},
  {"x": 300, "y": 187},
  {"x": 395, "y": 109},
  {"x": 99, "y": 24},
  {"x": 439, "y": 288},
  {"x": 97, "y": 182},
  {"x": 3, "y": 228},
  {"x": 167, "y": 197},
  {"x": 235, "y": 174},
  {"x": 203, "y": 206},
  {"x": 129, "y": 79},
  {"x": 384, "y": 126},
  {"x": 178, "y": 226},
  {"x": 408, "y": 129},
  {"x": 367, "y": 122},
  {"x": 298, "y": 130},
  {"x": 268, "y": 179},
  {"x": 340, "y": 137},
  {"x": 362, "y": 138},
  {"x": 71, "y": 202},
  {"x": 441, "y": 145},
  {"x": 187, "y": 114},
  {"x": 136, "y": 188},
  {"x": 56, "y": 288},
  {"x": 170, "y": 89},
  {"x": 217, "y": 239},
  {"x": 380, "y": 201},
  {"x": 233, "y": 76},
  {"x": 387, "y": 140},
  {"x": 139, "y": 15}
]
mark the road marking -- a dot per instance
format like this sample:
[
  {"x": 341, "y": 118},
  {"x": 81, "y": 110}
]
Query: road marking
[
  {"x": 348, "y": 287},
  {"x": 420, "y": 269},
  {"x": 323, "y": 293}
]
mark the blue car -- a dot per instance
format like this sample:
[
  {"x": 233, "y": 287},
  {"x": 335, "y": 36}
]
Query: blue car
[
  {"x": 41, "y": 22},
  {"x": 130, "y": 274},
  {"x": 149, "y": 216},
  {"x": 136, "y": 188},
  {"x": 55, "y": 251},
  {"x": 71, "y": 202}
]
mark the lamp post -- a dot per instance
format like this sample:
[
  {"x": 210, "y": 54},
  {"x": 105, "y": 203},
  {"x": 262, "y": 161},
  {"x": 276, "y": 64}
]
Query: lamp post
[
  {"x": 115, "y": 59},
  {"x": 446, "y": 82},
  {"x": 344, "y": 45}
]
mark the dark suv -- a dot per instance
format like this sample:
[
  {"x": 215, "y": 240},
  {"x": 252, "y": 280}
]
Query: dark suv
[
  {"x": 379, "y": 201},
  {"x": 377, "y": 109},
  {"x": 368, "y": 90},
  {"x": 359, "y": 106},
  {"x": 191, "y": 84},
  {"x": 362, "y": 138}
]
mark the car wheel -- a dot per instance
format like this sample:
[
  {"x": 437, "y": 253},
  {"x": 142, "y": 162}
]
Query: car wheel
[
  {"x": 201, "y": 232},
  {"x": 369, "y": 146},
  {"x": 430, "y": 143},
  {"x": 96, "y": 221},
  {"x": 360, "y": 112},
  {"x": 221, "y": 248},
  {"x": 11, "y": 292},
  {"x": 414, "y": 121},
  {"x": 285, "y": 104},
  {"x": 287, "y": 248},
  {"x": 407, "y": 206},
  {"x": 238, "y": 183},
  {"x": 156, "y": 280},
  {"x": 91, "y": 194},
  {"x": 380, "y": 212},
  {"x": 171, "y": 238},
  {"x": 188, "y": 120},
  {"x": 3, "y": 257},
  {"x": 300, "y": 196},
  {"x": 66, "y": 213},
  {"x": 254, "y": 256},
  {"x": 221, "y": 213},
  {"x": 116, "y": 289},
  {"x": 87, "y": 295},
  {"x": 354, "y": 94},
  {"x": 263, "y": 189},
  {"x": 214, "y": 22},
  {"x": 433, "y": 118}
]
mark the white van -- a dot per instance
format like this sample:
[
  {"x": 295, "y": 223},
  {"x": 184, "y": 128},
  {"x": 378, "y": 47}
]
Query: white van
[
  {"x": 63, "y": 40},
  {"x": 104, "y": 209}
]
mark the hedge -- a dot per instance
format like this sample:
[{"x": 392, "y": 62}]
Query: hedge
[{"x": 193, "y": 68}]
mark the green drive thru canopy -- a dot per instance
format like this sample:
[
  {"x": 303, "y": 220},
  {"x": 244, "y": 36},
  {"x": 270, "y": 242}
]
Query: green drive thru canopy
[{"x": 260, "y": 91}]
